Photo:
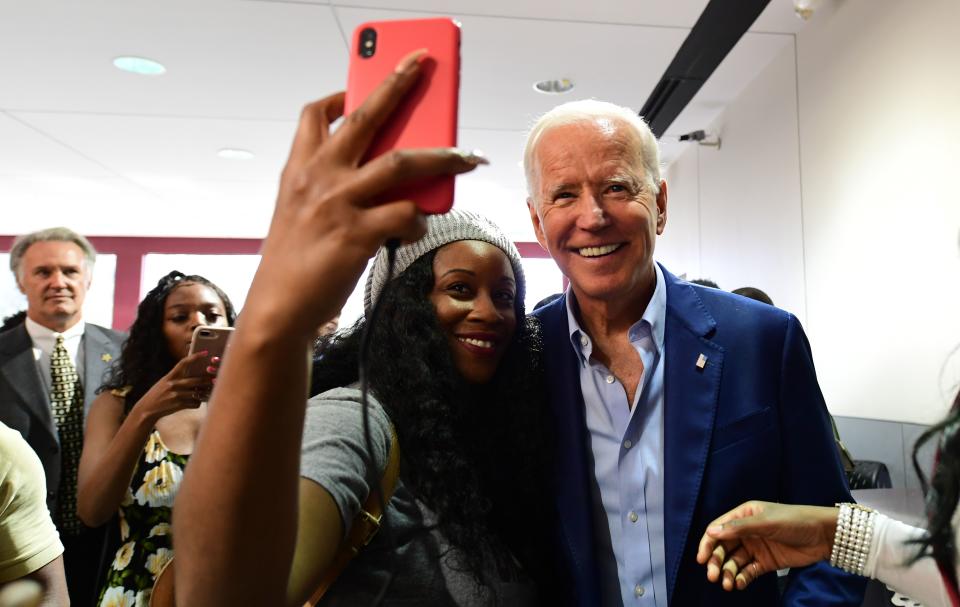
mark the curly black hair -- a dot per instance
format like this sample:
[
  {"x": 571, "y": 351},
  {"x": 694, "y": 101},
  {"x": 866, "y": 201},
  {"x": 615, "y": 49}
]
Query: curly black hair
[
  {"x": 475, "y": 455},
  {"x": 145, "y": 357},
  {"x": 942, "y": 493}
]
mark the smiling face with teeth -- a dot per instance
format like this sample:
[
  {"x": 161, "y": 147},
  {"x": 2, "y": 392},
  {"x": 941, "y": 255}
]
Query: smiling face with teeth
[
  {"x": 474, "y": 295},
  {"x": 594, "y": 210}
]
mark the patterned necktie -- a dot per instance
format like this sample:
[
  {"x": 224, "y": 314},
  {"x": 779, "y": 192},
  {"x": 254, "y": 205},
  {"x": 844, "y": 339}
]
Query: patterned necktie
[{"x": 67, "y": 402}]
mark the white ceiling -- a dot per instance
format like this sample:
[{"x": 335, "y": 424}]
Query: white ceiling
[{"x": 111, "y": 153}]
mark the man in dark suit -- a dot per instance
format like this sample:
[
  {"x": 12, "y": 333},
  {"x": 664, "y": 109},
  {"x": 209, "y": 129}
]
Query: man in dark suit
[
  {"x": 50, "y": 369},
  {"x": 672, "y": 402}
]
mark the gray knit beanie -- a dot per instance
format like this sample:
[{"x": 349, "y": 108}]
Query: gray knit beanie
[{"x": 443, "y": 229}]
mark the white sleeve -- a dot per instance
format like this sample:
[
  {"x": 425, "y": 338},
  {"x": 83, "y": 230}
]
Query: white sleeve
[{"x": 886, "y": 561}]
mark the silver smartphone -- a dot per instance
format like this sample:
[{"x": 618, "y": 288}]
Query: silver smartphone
[{"x": 214, "y": 341}]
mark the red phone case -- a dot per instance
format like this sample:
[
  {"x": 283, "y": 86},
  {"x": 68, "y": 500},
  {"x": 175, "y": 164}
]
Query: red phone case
[{"x": 427, "y": 117}]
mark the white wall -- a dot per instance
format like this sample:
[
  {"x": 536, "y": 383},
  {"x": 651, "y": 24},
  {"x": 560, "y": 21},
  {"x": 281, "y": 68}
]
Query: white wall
[
  {"x": 678, "y": 248},
  {"x": 747, "y": 193},
  {"x": 835, "y": 192}
]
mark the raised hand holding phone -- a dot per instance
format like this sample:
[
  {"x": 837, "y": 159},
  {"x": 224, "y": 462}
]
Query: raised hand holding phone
[
  {"x": 325, "y": 227},
  {"x": 177, "y": 390},
  {"x": 330, "y": 216}
]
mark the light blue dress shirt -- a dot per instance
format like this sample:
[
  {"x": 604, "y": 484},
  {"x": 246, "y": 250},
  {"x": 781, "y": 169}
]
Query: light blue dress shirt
[{"x": 627, "y": 444}]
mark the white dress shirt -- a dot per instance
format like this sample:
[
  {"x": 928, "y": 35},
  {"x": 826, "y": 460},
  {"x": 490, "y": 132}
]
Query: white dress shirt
[
  {"x": 44, "y": 340},
  {"x": 627, "y": 444}
]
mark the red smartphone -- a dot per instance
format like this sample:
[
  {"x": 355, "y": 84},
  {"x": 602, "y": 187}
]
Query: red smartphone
[
  {"x": 214, "y": 341},
  {"x": 427, "y": 116}
]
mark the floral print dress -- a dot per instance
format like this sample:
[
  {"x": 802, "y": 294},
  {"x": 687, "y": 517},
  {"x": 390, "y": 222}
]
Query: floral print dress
[{"x": 145, "y": 527}]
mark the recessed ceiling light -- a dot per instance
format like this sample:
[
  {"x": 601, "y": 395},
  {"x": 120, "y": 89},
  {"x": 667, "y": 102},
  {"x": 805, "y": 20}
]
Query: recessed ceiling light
[
  {"x": 554, "y": 87},
  {"x": 139, "y": 65},
  {"x": 235, "y": 154}
]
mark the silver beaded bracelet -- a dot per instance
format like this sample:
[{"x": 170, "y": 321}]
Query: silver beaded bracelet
[{"x": 851, "y": 543}]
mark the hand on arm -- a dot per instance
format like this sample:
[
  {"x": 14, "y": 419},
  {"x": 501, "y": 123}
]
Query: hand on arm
[
  {"x": 761, "y": 537},
  {"x": 112, "y": 441},
  {"x": 324, "y": 229}
]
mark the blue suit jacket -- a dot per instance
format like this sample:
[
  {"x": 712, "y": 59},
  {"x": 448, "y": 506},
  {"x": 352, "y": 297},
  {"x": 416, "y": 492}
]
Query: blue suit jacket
[{"x": 752, "y": 424}]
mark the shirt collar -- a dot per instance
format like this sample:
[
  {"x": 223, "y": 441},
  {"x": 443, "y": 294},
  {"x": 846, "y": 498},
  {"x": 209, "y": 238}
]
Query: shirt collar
[
  {"x": 653, "y": 321},
  {"x": 41, "y": 334},
  {"x": 656, "y": 312}
]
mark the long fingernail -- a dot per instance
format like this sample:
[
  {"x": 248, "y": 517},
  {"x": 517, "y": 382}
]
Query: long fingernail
[
  {"x": 474, "y": 157},
  {"x": 411, "y": 62},
  {"x": 215, "y": 359},
  {"x": 715, "y": 529},
  {"x": 211, "y": 369},
  {"x": 203, "y": 352}
]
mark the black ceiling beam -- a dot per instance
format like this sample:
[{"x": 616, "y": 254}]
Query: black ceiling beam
[{"x": 717, "y": 31}]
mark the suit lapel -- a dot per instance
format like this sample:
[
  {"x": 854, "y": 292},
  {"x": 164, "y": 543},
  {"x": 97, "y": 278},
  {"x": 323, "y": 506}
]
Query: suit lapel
[
  {"x": 19, "y": 367},
  {"x": 572, "y": 457},
  {"x": 95, "y": 345},
  {"x": 690, "y": 404}
]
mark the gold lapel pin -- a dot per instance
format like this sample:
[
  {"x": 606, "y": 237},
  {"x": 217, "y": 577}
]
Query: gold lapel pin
[
  {"x": 108, "y": 357},
  {"x": 701, "y": 361}
]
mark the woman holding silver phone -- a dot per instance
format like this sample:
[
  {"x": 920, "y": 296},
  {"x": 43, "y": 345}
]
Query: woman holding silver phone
[{"x": 142, "y": 428}]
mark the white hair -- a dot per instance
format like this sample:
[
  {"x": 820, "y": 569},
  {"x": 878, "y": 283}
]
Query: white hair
[
  {"x": 58, "y": 234},
  {"x": 591, "y": 110}
]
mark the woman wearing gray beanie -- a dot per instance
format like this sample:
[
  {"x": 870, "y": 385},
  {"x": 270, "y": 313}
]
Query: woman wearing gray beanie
[
  {"x": 274, "y": 487},
  {"x": 453, "y": 369}
]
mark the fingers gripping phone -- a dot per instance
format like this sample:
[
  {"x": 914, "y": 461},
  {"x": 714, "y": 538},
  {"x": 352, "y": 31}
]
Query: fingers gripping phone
[
  {"x": 427, "y": 116},
  {"x": 214, "y": 341}
]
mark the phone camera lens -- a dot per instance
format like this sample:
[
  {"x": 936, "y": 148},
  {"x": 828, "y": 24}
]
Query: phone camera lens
[{"x": 368, "y": 42}]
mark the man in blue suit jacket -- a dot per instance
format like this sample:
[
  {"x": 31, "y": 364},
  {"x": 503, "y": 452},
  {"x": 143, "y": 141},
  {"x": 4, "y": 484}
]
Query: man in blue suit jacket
[{"x": 672, "y": 403}]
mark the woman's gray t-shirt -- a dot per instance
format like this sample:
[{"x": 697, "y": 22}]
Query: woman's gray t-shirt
[{"x": 425, "y": 570}]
